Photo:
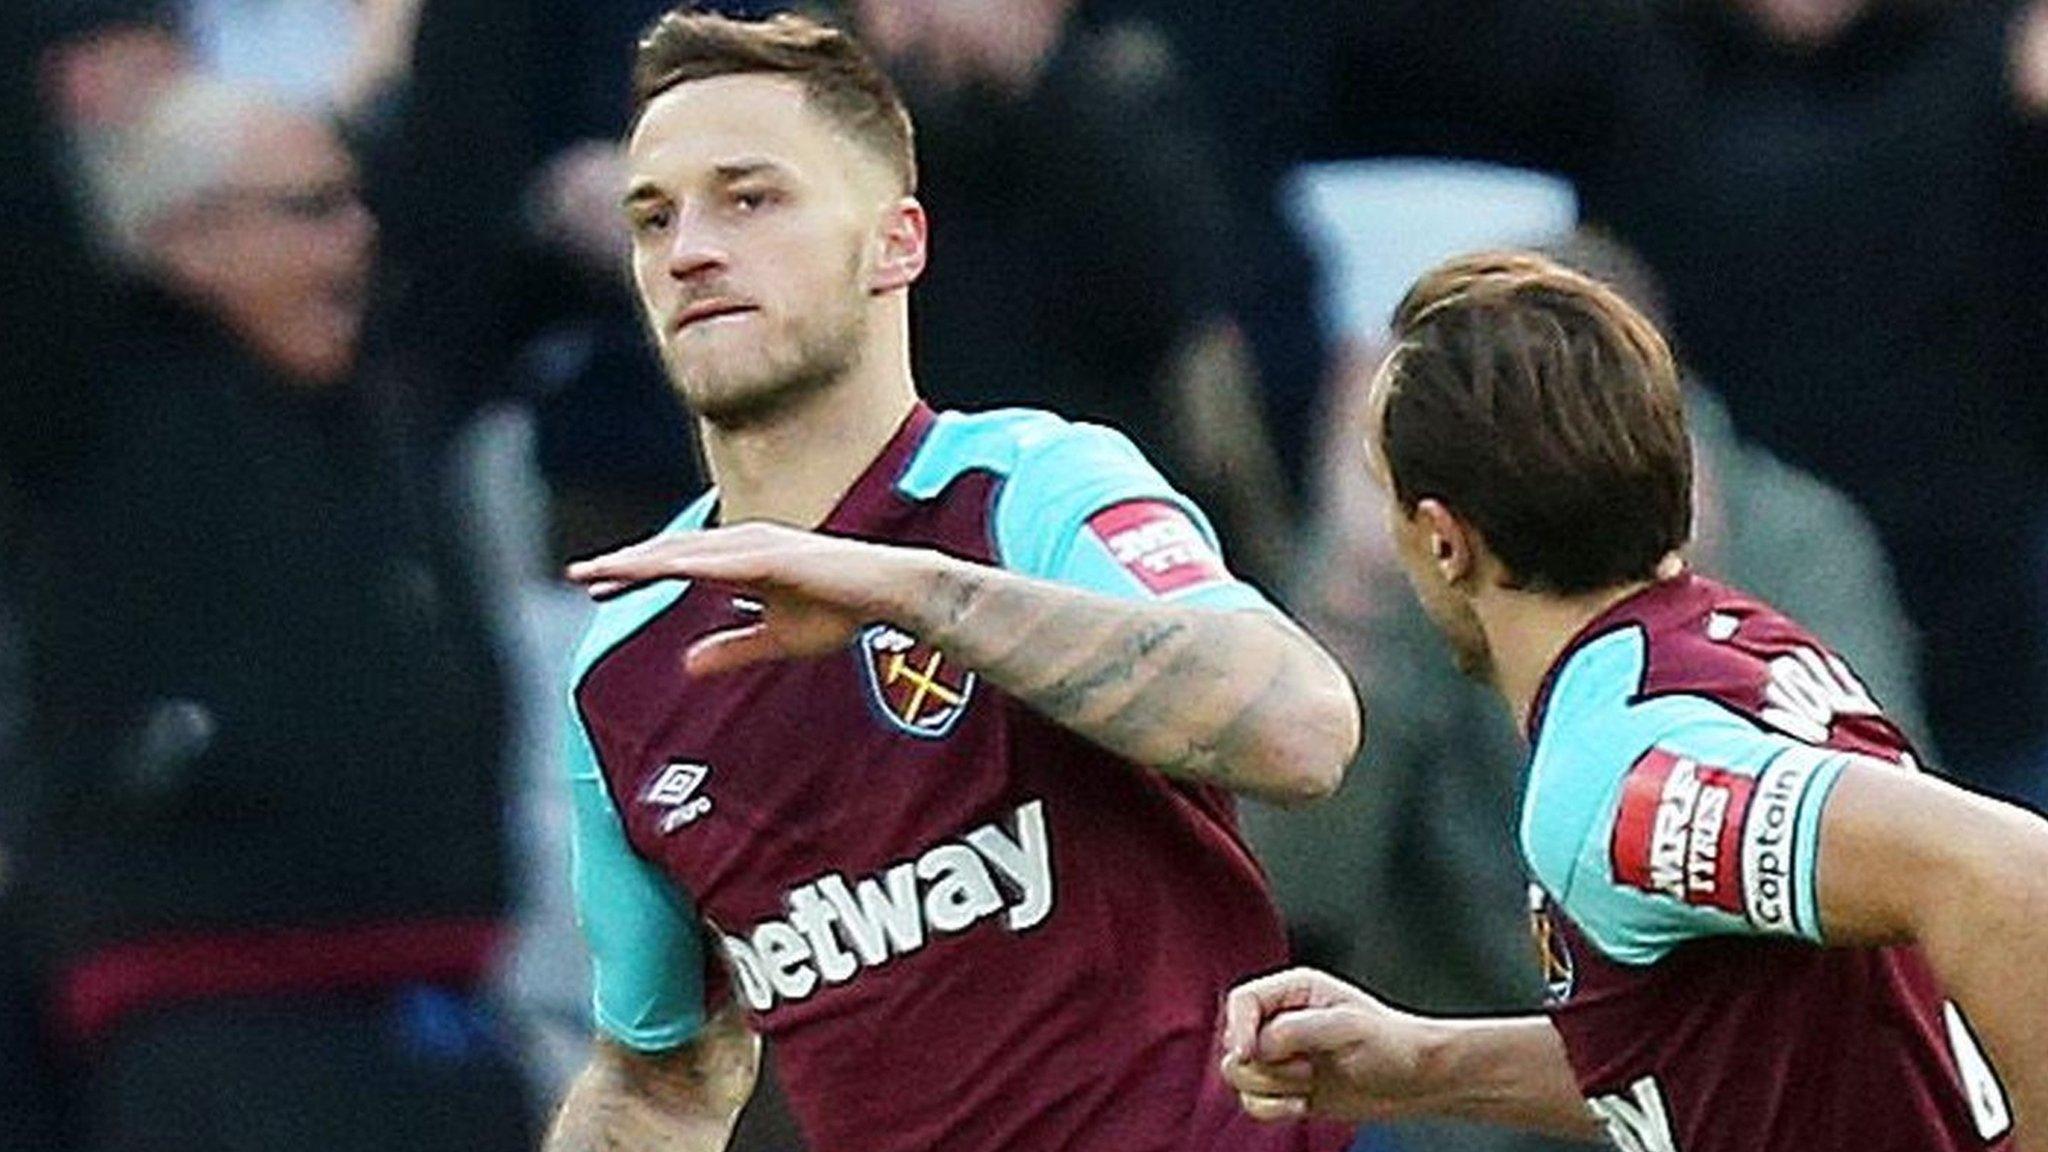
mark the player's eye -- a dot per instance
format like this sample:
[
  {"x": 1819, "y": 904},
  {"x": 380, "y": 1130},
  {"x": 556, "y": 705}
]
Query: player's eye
[
  {"x": 649, "y": 220},
  {"x": 749, "y": 200}
]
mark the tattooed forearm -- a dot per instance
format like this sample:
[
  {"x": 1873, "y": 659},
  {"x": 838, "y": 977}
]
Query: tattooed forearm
[
  {"x": 1242, "y": 699},
  {"x": 683, "y": 1101},
  {"x": 1064, "y": 698}
]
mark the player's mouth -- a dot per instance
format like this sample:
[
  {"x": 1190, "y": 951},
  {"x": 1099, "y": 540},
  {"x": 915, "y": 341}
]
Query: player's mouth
[{"x": 707, "y": 310}]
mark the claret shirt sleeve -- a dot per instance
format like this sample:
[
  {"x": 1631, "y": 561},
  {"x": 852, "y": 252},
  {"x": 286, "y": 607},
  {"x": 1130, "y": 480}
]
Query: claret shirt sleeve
[
  {"x": 1085, "y": 508},
  {"x": 646, "y": 951}
]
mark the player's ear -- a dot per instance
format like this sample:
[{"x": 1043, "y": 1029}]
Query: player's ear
[
  {"x": 1451, "y": 541},
  {"x": 902, "y": 240}
]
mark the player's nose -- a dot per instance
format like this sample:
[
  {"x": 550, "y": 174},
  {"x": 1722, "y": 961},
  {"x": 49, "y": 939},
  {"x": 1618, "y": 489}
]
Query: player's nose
[{"x": 695, "y": 251}]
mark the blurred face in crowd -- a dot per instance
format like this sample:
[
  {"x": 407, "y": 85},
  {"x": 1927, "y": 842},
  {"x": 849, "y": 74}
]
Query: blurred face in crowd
[
  {"x": 1804, "y": 23},
  {"x": 107, "y": 78},
  {"x": 762, "y": 238},
  {"x": 955, "y": 42},
  {"x": 281, "y": 251}
]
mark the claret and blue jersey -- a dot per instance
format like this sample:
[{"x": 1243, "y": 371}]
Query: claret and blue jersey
[
  {"x": 1684, "y": 749},
  {"x": 958, "y": 924}
]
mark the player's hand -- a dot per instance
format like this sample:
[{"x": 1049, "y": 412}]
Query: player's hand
[
  {"x": 1304, "y": 1043},
  {"x": 816, "y": 591}
]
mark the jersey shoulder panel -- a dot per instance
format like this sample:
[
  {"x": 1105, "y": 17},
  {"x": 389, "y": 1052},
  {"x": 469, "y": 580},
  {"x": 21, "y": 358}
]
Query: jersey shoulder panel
[
  {"x": 962, "y": 442},
  {"x": 1654, "y": 818},
  {"x": 1049, "y": 467},
  {"x": 617, "y": 619},
  {"x": 1079, "y": 503},
  {"x": 1572, "y": 761}
]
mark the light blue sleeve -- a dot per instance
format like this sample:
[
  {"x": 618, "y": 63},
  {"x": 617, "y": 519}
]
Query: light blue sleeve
[
  {"x": 1656, "y": 821},
  {"x": 1043, "y": 514},
  {"x": 646, "y": 953}
]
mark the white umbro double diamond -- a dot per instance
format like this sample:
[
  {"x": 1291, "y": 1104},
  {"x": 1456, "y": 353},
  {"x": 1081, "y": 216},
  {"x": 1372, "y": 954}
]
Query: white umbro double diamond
[{"x": 676, "y": 790}]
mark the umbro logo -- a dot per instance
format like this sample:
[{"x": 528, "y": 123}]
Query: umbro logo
[{"x": 676, "y": 790}]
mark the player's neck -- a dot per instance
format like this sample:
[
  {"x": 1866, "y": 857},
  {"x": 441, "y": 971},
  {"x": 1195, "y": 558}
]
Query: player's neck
[
  {"x": 1528, "y": 631},
  {"x": 795, "y": 468}
]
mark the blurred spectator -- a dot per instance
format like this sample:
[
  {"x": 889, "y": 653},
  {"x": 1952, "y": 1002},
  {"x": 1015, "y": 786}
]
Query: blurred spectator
[
  {"x": 1409, "y": 879},
  {"x": 547, "y": 977},
  {"x": 263, "y": 732},
  {"x": 97, "y": 66},
  {"x": 500, "y": 187},
  {"x": 51, "y": 301},
  {"x": 338, "y": 55},
  {"x": 1845, "y": 202},
  {"x": 543, "y": 976},
  {"x": 100, "y": 62},
  {"x": 29, "y": 1116},
  {"x": 1083, "y": 205},
  {"x": 1240, "y": 62},
  {"x": 28, "y": 1108}
]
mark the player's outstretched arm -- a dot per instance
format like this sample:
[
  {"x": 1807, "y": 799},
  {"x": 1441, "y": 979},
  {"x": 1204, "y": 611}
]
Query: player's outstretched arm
[
  {"x": 1240, "y": 698},
  {"x": 686, "y": 1100},
  {"x": 1910, "y": 857},
  {"x": 1304, "y": 1043}
]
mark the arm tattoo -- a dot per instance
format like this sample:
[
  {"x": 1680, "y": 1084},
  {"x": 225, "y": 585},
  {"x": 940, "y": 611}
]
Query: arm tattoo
[
  {"x": 1195, "y": 693},
  {"x": 1064, "y": 698}
]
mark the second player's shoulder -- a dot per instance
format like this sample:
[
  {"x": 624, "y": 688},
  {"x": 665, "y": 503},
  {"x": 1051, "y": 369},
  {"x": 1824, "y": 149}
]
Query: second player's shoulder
[
  {"x": 1695, "y": 637},
  {"x": 1594, "y": 723},
  {"x": 1648, "y": 673},
  {"x": 1675, "y": 777},
  {"x": 1731, "y": 647},
  {"x": 1652, "y": 820}
]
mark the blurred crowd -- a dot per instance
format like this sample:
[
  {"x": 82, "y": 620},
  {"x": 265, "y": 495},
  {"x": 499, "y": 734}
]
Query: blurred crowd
[{"x": 319, "y": 362}]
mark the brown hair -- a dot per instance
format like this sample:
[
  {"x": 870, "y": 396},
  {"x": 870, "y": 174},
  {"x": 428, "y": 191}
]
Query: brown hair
[
  {"x": 1542, "y": 409},
  {"x": 839, "y": 78}
]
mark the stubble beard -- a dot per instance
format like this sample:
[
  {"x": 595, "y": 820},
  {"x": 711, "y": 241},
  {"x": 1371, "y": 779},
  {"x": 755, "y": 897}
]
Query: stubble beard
[
  {"x": 817, "y": 349},
  {"x": 802, "y": 363}
]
